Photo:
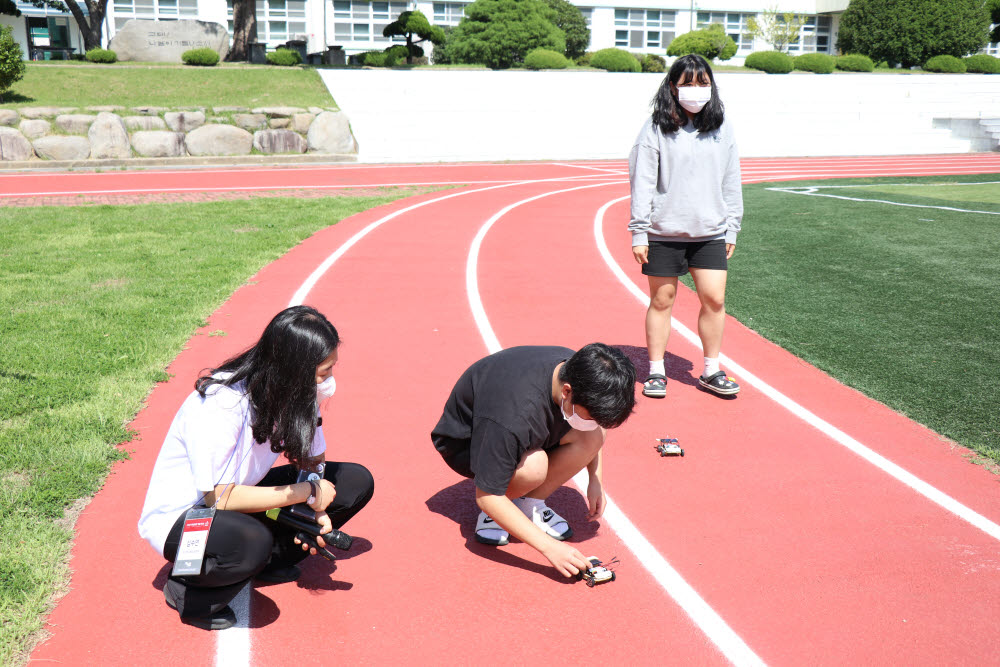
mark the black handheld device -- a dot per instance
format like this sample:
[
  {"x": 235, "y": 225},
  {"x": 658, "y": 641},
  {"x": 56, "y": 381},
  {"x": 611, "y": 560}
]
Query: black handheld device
[{"x": 308, "y": 531}]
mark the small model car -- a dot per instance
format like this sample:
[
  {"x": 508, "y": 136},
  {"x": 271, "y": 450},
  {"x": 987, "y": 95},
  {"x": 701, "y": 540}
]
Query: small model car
[
  {"x": 596, "y": 573},
  {"x": 668, "y": 447}
]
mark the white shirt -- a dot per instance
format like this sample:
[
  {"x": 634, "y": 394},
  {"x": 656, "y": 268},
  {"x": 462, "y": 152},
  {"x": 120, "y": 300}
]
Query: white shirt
[{"x": 210, "y": 442}]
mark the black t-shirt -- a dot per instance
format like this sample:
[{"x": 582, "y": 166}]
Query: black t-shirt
[{"x": 502, "y": 407}]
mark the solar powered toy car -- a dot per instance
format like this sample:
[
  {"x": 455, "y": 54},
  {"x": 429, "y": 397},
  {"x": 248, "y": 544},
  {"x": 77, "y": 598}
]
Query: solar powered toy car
[
  {"x": 668, "y": 447},
  {"x": 597, "y": 573}
]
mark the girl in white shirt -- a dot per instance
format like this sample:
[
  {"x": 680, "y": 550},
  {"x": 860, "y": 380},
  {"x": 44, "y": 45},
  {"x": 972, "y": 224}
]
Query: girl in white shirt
[
  {"x": 219, "y": 453},
  {"x": 687, "y": 208}
]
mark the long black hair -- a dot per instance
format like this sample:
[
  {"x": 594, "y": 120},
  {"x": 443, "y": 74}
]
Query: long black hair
[
  {"x": 668, "y": 113},
  {"x": 280, "y": 376}
]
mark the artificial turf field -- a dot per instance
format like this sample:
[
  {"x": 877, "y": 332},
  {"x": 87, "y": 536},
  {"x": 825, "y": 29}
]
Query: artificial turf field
[{"x": 846, "y": 285}]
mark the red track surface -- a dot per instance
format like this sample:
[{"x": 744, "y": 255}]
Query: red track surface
[{"x": 809, "y": 553}]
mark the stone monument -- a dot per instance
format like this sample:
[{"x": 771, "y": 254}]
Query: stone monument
[{"x": 165, "y": 41}]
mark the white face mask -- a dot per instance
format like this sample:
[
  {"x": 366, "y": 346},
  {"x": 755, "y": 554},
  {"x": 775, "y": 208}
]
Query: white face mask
[
  {"x": 694, "y": 98},
  {"x": 325, "y": 389},
  {"x": 576, "y": 421}
]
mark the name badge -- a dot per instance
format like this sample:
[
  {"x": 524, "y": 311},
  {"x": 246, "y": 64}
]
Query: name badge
[{"x": 194, "y": 538}]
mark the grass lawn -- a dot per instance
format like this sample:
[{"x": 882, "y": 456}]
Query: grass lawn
[
  {"x": 82, "y": 84},
  {"x": 94, "y": 306},
  {"x": 898, "y": 302}
]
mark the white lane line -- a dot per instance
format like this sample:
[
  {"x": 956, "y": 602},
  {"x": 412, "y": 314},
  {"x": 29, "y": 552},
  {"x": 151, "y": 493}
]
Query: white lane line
[
  {"x": 614, "y": 170},
  {"x": 814, "y": 192},
  {"x": 716, "y": 629},
  {"x": 923, "y": 488}
]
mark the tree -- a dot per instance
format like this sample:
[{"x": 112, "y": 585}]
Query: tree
[
  {"x": 570, "y": 20},
  {"x": 11, "y": 59},
  {"x": 91, "y": 26},
  {"x": 498, "y": 33},
  {"x": 908, "y": 33},
  {"x": 412, "y": 24},
  {"x": 994, "y": 8},
  {"x": 779, "y": 29},
  {"x": 244, "y": 30},
  {"x": 9, "y": 7}
]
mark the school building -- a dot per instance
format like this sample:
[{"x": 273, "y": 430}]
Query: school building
[{"x": 641, "y": 26}]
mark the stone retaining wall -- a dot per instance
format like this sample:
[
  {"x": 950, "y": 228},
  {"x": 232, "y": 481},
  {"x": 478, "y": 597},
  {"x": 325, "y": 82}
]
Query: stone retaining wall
[{"x": 101, "y": 133}]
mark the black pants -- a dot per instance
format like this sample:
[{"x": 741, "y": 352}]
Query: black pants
[{"x": 241, "y": 545}]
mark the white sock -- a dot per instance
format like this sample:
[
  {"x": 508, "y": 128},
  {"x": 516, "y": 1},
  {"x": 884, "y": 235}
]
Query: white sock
[
  {"x": 711, "y": 367},
  {"x": 656, "y": 368},
  {"x": 526, "y": 504}
]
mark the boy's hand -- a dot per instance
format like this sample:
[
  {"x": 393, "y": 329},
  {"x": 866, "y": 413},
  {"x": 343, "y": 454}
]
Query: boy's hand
[
  {"x": 565, "y": 558},
  {"x": 641, "y": 253},
  {"x": 596, "y": 498}
]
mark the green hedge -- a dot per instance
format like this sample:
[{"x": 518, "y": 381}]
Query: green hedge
[
  {"x": 855, "y": 63},
  {"x": 615, "y": 60},
  {"x": 203, "y": 57},
  {"x": 545, "y": 59},
  {"x": 772, "y": 62},
  {"x": 982, "y": 64},
  {"x": 284, "y": 57},
  {"x": 712, "y": 42},
  {"x": 653, "y": 63},
  {"x": 99, "y": 55},
  {"x": 817, "y": 63},
  {"x": 948, "y": 64}
]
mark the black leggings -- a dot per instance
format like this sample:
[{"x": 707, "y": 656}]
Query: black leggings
[{"x": 241, "y": 545}]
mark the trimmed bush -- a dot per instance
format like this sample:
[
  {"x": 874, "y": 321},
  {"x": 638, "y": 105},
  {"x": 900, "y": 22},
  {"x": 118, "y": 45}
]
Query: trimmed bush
[
  {"x": 712, "y": 42},
  {"x": 284, "y": 57},
  {"x": 584, "y": 60},
  {"x": 855, "y": 63},
  {"x": 204, "y": 57},
  {"x": 772, "y": 62},
  {"x": 982, "y": 64},
  {"x": 545, "y": 59},
  {"x": 615, "y": 60},
  {"x": 817, "y": 63},
  {"x": 653, "y": 63},
  {"x": 947, "y": 64},
  {"x": 99, "y": 55}
]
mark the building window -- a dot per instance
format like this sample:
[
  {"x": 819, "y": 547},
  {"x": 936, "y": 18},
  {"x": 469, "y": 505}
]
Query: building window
[
  {"x": 277, "y": 20},
  {"x": 448, "y": 13},
  {"x": 993, "y": 48},
  {"x": 644, "y": 28},
  {"x": 814, "y": 36},
  {"x": 364, "y": 21},
  {"x": 734, "y": 24},
  {"x": 163, "y": 10}
]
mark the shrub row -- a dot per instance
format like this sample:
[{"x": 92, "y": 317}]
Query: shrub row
[
  {"x": 99, "y": 55},
  {"x": 982, "y": 64},
  {"x": 284, "y": 57},
  {"x": 615, "y": 60},
  {"x": 545, "y": 59},
  {"x": 203, "y": 57}
]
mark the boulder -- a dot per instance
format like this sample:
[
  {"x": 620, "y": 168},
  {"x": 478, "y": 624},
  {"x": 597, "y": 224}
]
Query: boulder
[
  {"x": 230, "y": 109},
  {"x": 279, "y": 123},
  {"x": 330, "y": 132},
  {"x": 13, "y": 145},
  {"x": 278, "y": 112},
  {"x": 75, "y": 123},
  {"x": 218, "y": 140},
  {"x": 44, "y": 112},
  {"x": 184, "y": 121},
  {"x": 110, "y": 108},
  {"x": 144, "y": 123},
  {"x": 166, "y": 41},
  {"x": 250, "y": 121},
  {"x": 33, "y": 128},
  {"x": 149, "y": 111},
  {"x": 279, "y": 141},
  {"x": 158, "y": 143},
  {"x": 9, "y": 117},
  {"x": 302, "y": 121},
  {"x": 109, "y": 138},
  {"x": 62, "y": 148}
]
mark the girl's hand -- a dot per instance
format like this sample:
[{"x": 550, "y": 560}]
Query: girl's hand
[
  {"x": 327, "y": 492},
  {"x": 325, "y": 527},
  {"x": 641, "y": 253},
  {"x": 730, "y": 249}
]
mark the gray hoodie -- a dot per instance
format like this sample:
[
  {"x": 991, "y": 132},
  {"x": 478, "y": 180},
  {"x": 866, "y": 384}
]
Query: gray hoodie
[{"x": 685, "y": 185}]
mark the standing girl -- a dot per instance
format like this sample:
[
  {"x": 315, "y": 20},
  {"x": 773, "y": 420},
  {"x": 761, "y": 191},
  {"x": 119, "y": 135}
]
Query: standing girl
[
  {"x": 218, "y": 454},
  {"x": 687, "y": 204}
]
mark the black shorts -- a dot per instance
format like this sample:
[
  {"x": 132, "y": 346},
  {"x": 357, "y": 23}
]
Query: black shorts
[{"x": 674, "y": 258}]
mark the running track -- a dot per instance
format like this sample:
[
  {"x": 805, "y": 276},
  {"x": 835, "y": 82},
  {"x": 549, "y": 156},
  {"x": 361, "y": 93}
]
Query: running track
[{"x": 775, "y": 540}]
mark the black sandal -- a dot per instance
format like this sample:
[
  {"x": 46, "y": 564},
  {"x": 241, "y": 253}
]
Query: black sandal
[{"x": 655, "y": 386}]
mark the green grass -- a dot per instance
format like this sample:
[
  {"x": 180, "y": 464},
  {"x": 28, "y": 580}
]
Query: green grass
[
  {"x": 82, "y": 84},
  {"x": 94, "y": 303},
  {"x": 900, "y": 303}
]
